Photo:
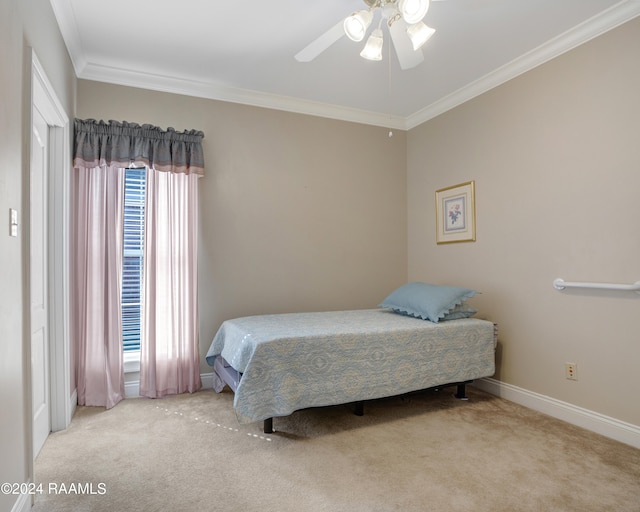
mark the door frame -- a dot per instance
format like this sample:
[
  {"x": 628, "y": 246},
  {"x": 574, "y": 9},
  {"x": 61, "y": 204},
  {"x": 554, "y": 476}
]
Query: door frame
[{"x": 62, "y": 404}]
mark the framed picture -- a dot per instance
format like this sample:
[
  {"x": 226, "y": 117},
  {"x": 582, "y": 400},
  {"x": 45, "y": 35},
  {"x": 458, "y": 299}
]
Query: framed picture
[{"x": 456, "y": 213}]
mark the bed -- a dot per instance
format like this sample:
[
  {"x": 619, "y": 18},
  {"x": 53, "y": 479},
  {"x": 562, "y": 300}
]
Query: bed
[{"x": 277, "y": 364}]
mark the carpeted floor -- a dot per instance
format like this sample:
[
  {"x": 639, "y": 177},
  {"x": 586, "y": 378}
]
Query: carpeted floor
[{"x": 422, "y": 452}]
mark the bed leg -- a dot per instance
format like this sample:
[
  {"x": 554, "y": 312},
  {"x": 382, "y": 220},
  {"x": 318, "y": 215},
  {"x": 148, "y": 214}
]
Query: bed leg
[
  {"x": 268, "y": 426},
  {"x": 359, "y": 408},
  {"x": 461, "y": 393}
]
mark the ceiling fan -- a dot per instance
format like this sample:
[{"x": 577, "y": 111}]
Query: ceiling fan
[{"x": 403, "y": 19}]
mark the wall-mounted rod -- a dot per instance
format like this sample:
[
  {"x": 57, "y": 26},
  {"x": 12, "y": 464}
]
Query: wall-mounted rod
[{"x": 561, "y": 284}]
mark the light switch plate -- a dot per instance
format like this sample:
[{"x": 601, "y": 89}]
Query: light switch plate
[{"x": 13, "y": 222}]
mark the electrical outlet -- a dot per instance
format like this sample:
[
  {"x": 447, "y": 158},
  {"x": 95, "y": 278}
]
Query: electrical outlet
[{"x": 571, "y": 371}]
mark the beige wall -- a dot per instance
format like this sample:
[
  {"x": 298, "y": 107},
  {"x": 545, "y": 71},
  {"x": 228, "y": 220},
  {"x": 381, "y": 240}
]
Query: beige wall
[
  {"x": 13, "y": 435},
  {"x": 297, "y": 213},
  {"x": 556, "y": 160},
  {"x": 23, "y": 24}
]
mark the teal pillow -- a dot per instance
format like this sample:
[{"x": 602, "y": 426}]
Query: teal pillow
[
  {"x": 460, "y": 311},
  {"x": 426, "y": 301}
]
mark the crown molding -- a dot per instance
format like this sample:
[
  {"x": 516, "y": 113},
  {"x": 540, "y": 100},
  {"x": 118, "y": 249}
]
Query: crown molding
[
  {"x": 618, "y": 14},
  {"x": 209, "y": 90},
  {"x": 580, "y": 34},
  {"x": 63, "y": 12}
]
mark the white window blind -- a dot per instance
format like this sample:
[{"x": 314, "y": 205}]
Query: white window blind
[{"x": 133, "y": 257}]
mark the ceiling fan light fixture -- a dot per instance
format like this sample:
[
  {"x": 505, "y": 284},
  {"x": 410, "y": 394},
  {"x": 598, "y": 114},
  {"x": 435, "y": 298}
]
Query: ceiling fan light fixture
[
  {"x": 413, "y": 11},
  {"x": 373, "y": 48},
  {"x": 419, "y": 33},
  {"x": 356, "y": 25}
]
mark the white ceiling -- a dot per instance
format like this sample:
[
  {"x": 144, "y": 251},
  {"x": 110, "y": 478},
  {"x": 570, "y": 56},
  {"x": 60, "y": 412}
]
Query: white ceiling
[{"x": 243, "y": 51}]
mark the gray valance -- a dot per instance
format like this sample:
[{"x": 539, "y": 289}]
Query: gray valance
[{"x": 123, "y": 144}]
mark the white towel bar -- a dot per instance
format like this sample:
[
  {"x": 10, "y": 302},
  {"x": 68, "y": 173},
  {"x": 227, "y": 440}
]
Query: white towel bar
[{"x": 561, "y": 284}]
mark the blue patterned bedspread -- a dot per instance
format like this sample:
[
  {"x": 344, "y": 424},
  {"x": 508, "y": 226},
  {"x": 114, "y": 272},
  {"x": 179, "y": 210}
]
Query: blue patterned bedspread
[{"x": 299, "y": 360}]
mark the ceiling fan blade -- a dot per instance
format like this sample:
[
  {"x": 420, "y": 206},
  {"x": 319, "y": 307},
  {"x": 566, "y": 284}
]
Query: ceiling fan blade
[
  {"x": 407, "y": 56},
  {"x": 316, "y": 47}
]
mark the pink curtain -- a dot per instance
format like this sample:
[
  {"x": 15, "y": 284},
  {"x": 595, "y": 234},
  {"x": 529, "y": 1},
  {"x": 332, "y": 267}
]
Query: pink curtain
[
  {"x": 96, "y": 284},
  {"x": 169, "y": 355},
  {"x": 169, "y": 360}
]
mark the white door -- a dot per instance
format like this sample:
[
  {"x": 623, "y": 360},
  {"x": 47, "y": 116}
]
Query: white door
[{"x": 38, "y": 280}]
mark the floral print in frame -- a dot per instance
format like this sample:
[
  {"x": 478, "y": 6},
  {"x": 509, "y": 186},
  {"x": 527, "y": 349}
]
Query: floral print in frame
[{"x": 455, "y": 213}]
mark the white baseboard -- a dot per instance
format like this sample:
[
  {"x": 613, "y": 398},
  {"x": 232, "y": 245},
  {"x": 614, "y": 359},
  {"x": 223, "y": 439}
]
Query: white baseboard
[
  {"x": 207, "y": 380},
  {"x": 22, "y": 504},
  {"x": 610, "y": 427},
  {"x": 73, "y": 403},
  {"x": 132, "y": 388}
]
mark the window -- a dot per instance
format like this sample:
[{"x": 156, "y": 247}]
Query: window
[{"x": 135, "y": 182}]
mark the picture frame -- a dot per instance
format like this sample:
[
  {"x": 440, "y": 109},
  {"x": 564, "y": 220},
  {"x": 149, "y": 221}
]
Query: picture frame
[{"x": 456, "y": 213}]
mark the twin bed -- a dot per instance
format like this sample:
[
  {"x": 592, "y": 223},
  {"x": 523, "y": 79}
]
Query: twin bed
[{"x": 277, "y": 364}]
